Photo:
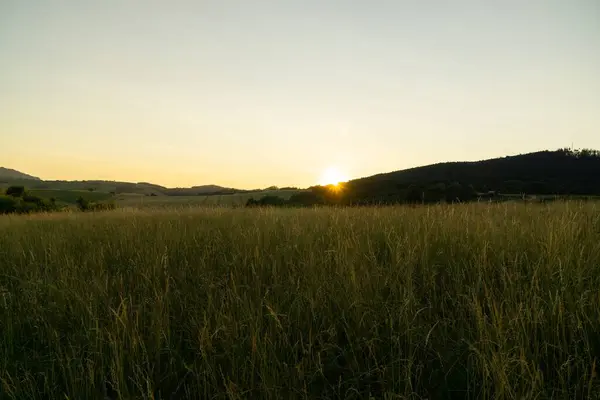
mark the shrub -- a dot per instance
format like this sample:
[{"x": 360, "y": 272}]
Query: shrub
[
  {"x": 25, "y": 204},
  {"x": 102, "y": 206},
  {"x": 34, "y": 203},
  {"x": 8, "y": 204},
  {"x": 82, "y": 203},
  {"x": 86, "y": 205},
  {"x": 266, "y": 201},
  {"x": 15, "y": 191},
  {"x": 306, "y": 199}
]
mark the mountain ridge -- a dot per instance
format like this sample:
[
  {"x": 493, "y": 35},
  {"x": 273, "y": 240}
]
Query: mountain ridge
[{"x": 9, "y": 173}]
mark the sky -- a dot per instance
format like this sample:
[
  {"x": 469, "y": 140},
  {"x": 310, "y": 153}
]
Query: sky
[{"x": 257, "y": 93}]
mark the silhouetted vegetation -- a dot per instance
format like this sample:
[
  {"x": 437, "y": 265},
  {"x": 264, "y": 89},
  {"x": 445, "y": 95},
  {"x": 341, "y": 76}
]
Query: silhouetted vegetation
[
  {"x": 344, "y": 195},
  {"x": 15, "y": 191},
  {"x": 266, "y": 201},
  {"x": 307, "y": 198},
  {"x": 561, "y": 172},
  {"x": 8, "y": 204},
  {"x": 86, "y": 205},
  {"x": 206, "y": 190},
  {"x": 17, "y": 200}
]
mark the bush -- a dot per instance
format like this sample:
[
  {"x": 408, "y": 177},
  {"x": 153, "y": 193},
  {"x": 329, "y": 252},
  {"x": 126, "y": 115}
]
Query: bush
[
  {"x": 35, "y": 203},
  {"x": 86, "y": 205},
  {"x": 266, "y": 201},
  {"x": 26, "y": 207},
  {"x": 19, "y": 201},
  {"x": 33, "y": 199},
  {"x": 306, "y": 199},
  {"x": 15, "y": 191},
  {"x": 82, "y": 203},
  {"x": 102, "y": 206},
  {"x": 8, "y": 204}
]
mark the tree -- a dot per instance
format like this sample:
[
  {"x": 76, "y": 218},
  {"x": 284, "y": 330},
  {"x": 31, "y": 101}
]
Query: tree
[
  {"x": 467, "y": 193},
  {"x": 82, "y": 203},
  {"x": 15, "y": 191},
  {"x": 453, "y": 192},
  {"x": 251, "y": 202},
  {"x": 86, "y": 205},
  {"x": 266, "y": 201},
  {"x": 305, "y": 199},
  {"x": 271, "y": 201},
  {"x": 435, "y": 193},
  {"x": 414, "y": 195}
]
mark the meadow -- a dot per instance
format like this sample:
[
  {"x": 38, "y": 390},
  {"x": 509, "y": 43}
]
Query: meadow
[{"x": 473, "y": 301}]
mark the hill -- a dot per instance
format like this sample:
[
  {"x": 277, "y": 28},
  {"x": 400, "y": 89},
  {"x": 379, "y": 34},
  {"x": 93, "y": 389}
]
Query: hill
[
  {"x": 111, "y": 187},
  {"x": 560, "y": 172},
  {"x": 546, "y": 172},
  {"x": 10, "y": 174},
  {"x": 10, "y": 177},
  {"x": 67, "y": 192}
]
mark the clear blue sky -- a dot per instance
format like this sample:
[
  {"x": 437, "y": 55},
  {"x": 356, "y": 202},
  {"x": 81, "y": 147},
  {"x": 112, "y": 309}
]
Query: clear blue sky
[{"x": 257, "y": 93}]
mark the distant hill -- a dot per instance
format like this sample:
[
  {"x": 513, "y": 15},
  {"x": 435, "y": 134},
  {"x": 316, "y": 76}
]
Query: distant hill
[
  {"x": 11, "y": 174},
  {"x": 560, "y": 171},
  {"x": 209, "y": 188},
  {"x": 12, "y": 177},
  {"x": 92, "y": 186}
]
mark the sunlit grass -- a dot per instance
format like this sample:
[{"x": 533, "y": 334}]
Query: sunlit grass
[{"x": 467, "y": 301}]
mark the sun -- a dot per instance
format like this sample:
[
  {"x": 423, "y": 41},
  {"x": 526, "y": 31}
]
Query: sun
[{"x": 332, "y": 176}]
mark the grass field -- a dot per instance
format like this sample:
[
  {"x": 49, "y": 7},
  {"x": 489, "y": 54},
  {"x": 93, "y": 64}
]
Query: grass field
[{"x": 469, "y": 301}]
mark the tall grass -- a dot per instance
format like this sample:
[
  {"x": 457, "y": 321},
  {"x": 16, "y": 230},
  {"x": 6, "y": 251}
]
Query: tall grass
[{"x": 469, "y": 301}]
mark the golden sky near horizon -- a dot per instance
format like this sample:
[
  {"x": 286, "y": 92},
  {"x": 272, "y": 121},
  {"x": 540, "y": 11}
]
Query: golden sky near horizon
[{"x": 252, "y": 94}]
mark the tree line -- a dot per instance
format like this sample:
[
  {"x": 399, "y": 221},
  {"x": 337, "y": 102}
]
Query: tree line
[
  {"x": 17, "y": 200},
  {"x": 346, "y": 195}
]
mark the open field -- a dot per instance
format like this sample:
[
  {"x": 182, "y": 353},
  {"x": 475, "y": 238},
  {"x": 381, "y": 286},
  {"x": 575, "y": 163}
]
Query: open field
[{"x": 466, "y": 301}]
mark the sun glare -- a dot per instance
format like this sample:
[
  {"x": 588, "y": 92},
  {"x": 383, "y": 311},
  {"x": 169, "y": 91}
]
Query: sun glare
[{"x": 332, "y": 176}]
